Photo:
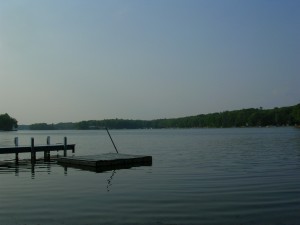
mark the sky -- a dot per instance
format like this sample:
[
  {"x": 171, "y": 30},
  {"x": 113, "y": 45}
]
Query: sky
[{"x": 74, "y": 60}]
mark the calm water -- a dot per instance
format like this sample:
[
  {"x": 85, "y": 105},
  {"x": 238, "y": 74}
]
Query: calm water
[{"x": 198, "y": 176}]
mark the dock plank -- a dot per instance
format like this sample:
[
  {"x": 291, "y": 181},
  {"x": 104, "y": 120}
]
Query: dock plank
[{"x": 37, "y": 148}]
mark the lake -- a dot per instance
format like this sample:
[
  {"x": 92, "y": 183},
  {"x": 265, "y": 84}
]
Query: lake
[{"x": 198, "y": 176}]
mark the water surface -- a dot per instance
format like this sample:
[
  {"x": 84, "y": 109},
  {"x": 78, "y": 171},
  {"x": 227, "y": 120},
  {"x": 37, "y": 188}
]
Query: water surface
[{"x": 198, "y": 176}]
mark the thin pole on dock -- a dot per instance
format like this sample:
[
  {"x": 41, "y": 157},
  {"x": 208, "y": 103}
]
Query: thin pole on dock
[{"x": 111, "y": 140}]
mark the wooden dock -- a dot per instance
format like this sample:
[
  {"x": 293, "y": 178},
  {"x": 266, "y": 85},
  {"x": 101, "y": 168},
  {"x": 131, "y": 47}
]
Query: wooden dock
[
  {"x": 37, "y": 148},
  {"x": 98, "y": 163},
  {"x": 106, "y": 161}
]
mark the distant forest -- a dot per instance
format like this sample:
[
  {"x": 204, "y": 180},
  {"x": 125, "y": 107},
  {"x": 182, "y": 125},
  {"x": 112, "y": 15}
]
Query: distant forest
[
  {"x": 253, "y": 117},
  {"x": 7, "y": 123}
]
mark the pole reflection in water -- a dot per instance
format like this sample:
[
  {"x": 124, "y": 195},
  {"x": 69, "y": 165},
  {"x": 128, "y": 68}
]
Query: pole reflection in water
[
  {"x": 32, "y": 170},
  {"x": 16, "y": 171},
  {"x": 48, "y": 168},
  {"x": 65, "y": 170},
  {"x": 109, "y": 180}
]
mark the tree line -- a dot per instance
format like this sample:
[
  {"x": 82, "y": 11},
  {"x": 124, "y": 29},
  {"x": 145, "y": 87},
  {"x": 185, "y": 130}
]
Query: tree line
[
  {"x": 252, "y": 117},
  {"x": 7, "y": 123}
]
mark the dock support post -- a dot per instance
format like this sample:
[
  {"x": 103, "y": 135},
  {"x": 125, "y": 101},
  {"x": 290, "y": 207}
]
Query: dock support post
[
  {"x": 16, "y": 145},
  {"x": 73, "y": 149},
  {"x": 33, "y": 155},
  {"x": 47, "y": 153},
  {"x": 65, "y": 146}
]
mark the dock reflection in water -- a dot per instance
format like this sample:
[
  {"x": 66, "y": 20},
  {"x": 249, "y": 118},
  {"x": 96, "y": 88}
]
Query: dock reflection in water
[
  {"x": 106, "y": 168},
  {"x": 25, "y": 166}
]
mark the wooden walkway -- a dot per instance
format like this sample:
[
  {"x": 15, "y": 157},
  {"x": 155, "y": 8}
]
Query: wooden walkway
[
  {"x": 106, "y": 161},
  {"x": 38, "y": 148}
]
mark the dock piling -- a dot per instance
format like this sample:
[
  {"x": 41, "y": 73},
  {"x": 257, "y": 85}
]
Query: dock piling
[
  {"x": 33, "y": 154},
  {"x": 65, "y": 146},
  {"x": 16, "y": 141},
  {"x": 47, "y": 153}
]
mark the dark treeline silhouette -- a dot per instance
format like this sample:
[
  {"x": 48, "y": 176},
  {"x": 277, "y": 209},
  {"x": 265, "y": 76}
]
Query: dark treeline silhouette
[
  {"x": 7, "y": 123},
  {"x": 253, "y": 117},
  {"x": 43, "y": 126}
]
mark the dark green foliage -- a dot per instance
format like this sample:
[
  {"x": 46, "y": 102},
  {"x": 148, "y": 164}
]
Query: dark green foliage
[
  {"x": 65, "y": 126},
  {"x": 296, "y": 114},
  {"x": 42, "y": 126},
  {"x": 112, "y": 124},
  {"x": 238, "y": 118},
  {"x": 7, "y": 123}
]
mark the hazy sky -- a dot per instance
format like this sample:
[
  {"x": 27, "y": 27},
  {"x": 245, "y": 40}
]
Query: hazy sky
[{"x": 70, "y": 60}]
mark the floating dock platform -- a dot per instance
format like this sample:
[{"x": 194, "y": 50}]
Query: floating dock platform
[{"x": 107, "y": 161}]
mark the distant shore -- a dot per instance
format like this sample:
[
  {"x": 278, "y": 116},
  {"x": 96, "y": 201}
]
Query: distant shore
[{"x": 277, "y": 117}]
